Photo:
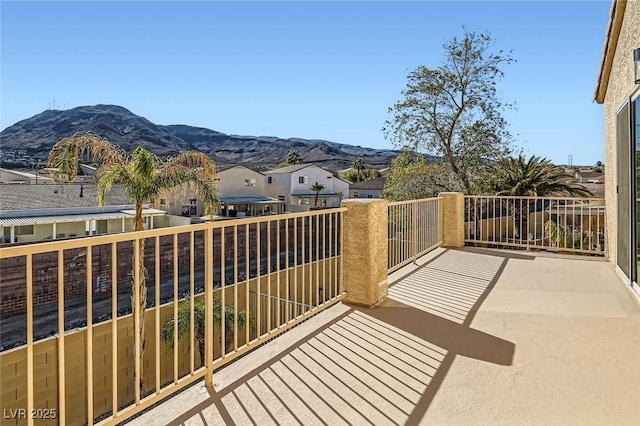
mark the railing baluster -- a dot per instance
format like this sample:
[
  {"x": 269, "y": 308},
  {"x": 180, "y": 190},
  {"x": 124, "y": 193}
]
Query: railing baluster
[
  {"x": 278, "y": 281},
  {"x": 247, "y": 305},
  {"x": 235, "y": 287},
  {"x": 62, "y": 399},
  {"x": 176, "y": 297},
  {"x": 223, "y": 291},
  {"x": 136, "y": 319},
  {"x": 317, "y": 262},
  {"x": 302, "y": 271},
  {"x": 89, "y": 282},
  {"x": 208, "y": 309},
  {"x": 310, "y": 261},
  {"x": 156, "y": 274},
  {"x": 341, "y": 240},
  {"x": 29, "y": 302},
  {"x": 335, "y": 254},
  {"x": 114, "y": 331},
  {"x": 192, "y": 333}
]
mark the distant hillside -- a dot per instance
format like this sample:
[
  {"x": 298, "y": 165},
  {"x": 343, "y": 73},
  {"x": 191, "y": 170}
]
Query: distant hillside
[{"x": 36, "y": 136}]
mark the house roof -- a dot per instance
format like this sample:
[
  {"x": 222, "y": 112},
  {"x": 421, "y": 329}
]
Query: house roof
[
  {"x": 30, "y": 197},
  {"x": 25, "y": 175},
  {"x": 289, "y": 169},
  {"x": 377, "y": 183},
  {"x": 62, "y": 218},
  {"x": 616, "y": 15},
  {"x": 229, "y": 167}
]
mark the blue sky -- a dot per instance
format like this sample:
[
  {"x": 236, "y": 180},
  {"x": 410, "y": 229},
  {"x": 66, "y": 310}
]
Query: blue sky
[{"x": 322, "y": 70}]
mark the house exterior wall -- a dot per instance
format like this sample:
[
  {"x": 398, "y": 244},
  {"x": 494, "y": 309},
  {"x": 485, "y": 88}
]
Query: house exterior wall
[
  {"x": 71, "y": 228},
  {"x": 365, "y": 193},
  {"x": 114, "y": 226},
  {"x": 232, "y": 182},
  {"x": 280, "y": 186},
  {"x": 620, "y": 86},
  {"x": 176, "y": 198},
  {"x": 341, "y": 186},
  {"x": 311, "y": 175}
]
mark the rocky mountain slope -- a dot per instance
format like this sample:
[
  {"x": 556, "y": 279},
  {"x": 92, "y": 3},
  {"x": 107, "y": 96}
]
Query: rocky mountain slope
[{"x": 36, "y": 136}]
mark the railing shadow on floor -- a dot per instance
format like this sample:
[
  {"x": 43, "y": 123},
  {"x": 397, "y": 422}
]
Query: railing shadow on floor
[{"x": 381, "y": 365}]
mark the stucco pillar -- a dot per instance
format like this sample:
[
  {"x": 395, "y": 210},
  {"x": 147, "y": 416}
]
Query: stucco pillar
[
  {"x": 365, "y": 251},
  {"x": 452, "y": 219}
]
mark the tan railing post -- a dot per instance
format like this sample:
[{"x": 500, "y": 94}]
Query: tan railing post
[
  {"x": 364, "y": 251},
  {"x": 452, "y": 219}
]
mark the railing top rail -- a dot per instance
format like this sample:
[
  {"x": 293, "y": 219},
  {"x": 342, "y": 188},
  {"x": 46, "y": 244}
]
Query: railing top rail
[
  {"x": 397, "y": 203},
  {"x": 536, "y": 197},
  {"x": 91, "y": 241}
]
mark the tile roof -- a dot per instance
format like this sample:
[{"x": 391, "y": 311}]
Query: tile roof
[{"x": 47, "y": 196}]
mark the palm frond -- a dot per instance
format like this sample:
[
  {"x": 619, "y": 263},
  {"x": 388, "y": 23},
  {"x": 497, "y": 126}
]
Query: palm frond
[{"x": 67, "y": 153}]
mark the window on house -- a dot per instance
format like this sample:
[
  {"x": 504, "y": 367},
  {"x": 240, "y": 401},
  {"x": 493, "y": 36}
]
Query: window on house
[
  {"x": 369, "y": 196},
  {"x": 301, "y": 179},
  {"x": 269, "y": 179},
  {"x": 249, "y": 182},
  {"x": 163, "y": 202},
  {"x": 281, "y": 197},
  {"x": 355, "y": 194}
]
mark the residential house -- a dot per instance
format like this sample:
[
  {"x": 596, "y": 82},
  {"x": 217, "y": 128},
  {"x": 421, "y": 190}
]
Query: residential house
[
  {"x": 292, "y": 184},
  {"x": 618, "y": 89},
  {"x": 33, "y": 213},
  {"x": 368, "y": 189},
  {"x": 242, "y": 193}
]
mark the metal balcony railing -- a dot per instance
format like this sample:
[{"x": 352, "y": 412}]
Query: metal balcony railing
[
  {"x": 572, "y": 225},
  {"x": 415, "y": 228},
  {"x": 215, "y": 291}
]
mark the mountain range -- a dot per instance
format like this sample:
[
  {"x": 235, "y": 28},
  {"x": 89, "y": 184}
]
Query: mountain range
[{"x": 36, "y": 136}]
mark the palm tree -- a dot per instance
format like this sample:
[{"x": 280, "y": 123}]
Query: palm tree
[
  {"x": 293, "y": 157},
  {"x": 317, "y": 187},
  {"x": 535, "y": 177},
  {"x": 144, "y": 176},
  {"x": 184, "y": 323},
  {"x": 358, "y": 164}
]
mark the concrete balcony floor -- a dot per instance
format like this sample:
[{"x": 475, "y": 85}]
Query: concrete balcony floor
[{"x": 469, "y": 336}]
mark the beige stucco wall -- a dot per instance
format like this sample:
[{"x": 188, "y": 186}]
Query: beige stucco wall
[
  {"x": 232, "y": 182},
  {"x": 620, "y": 87}
]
